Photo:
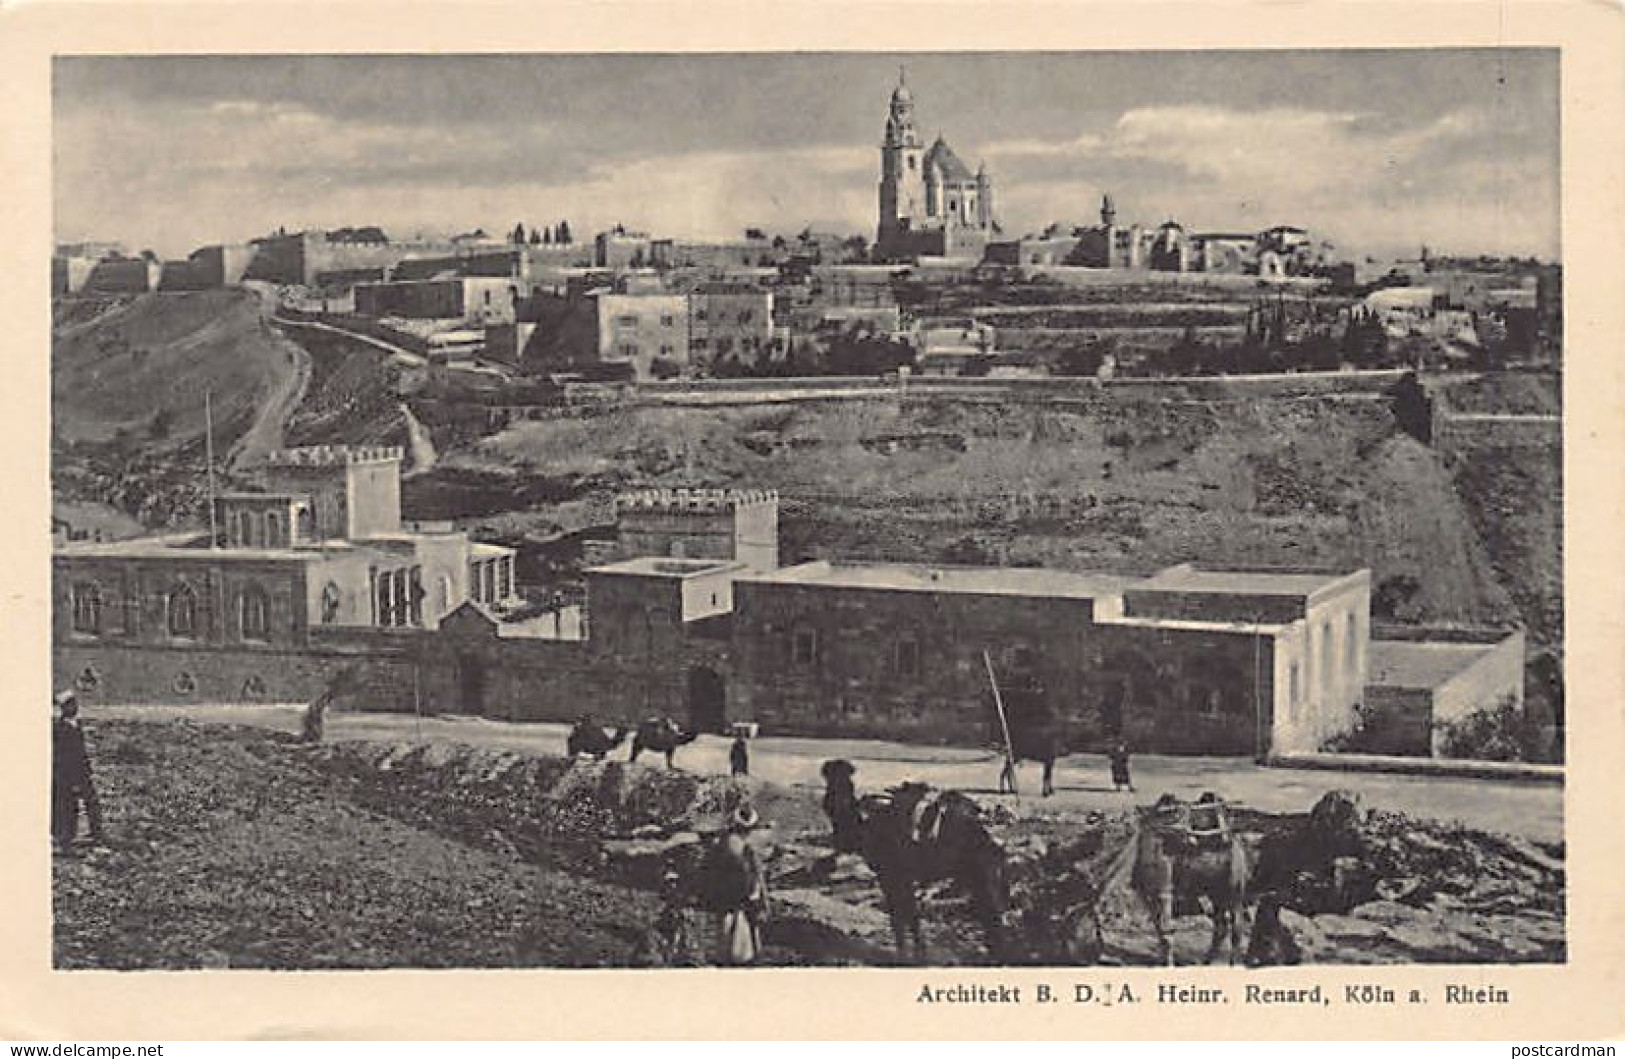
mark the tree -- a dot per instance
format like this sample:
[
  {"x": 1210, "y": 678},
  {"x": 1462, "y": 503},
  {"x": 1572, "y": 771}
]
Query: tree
[
  {"x": 518, "y": 235},
  {"x": 561, "y": 233},
  {"x": 535, "y": 237},
  {"x": 1082, "y": 360},
  {"x": 1412, "y": 408}
]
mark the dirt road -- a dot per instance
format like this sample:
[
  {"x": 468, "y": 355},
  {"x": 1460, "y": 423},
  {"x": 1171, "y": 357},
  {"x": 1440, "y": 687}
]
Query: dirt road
[{"x": 1531, "y": 810}]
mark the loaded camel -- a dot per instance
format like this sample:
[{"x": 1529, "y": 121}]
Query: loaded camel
[
  {"x": 660, "y": 735},
  {"x": 912, "y": 835},
  {"x": 588, "y": 738},
  {"x": 1188, "y": 851}
]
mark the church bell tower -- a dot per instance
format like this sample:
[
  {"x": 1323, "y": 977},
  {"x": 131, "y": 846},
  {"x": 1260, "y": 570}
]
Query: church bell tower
[{"x": 902, "y": 180}]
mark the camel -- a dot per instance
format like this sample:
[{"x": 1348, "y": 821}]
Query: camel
[
  {"x": 589, "y": 738},
  {"x": 661, "y": 735},
  {"x": 1036, "y": 733},
  {"x": 913, "y": 835},
  {"x": 1174, "y": 860},
  {"x": 1310, "y": 869},
  {"x": 1040, "y": 743}
]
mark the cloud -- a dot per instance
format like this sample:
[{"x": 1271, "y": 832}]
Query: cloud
[
  {"x": 1462, "y": 179},
  {"x": 185, "y": 173}
]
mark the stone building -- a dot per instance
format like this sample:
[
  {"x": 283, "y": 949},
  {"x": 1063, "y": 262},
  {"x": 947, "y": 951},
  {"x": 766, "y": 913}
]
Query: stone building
[
  {"x": 319, "y": 548},
  {"x": 736, "y": 524},
  {"x": 469, "y": 299},
  {"x": 640, "y": 329},
  {"x": 697, "y": 621},
  {"x": 730, "y": 320},
  {"x": 931, "y": 204}
]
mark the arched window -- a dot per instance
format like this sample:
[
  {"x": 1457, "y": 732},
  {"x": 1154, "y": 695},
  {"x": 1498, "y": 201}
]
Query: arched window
[
  {"x": 273, "y": 530},
  {"x": 182, "y": 610},
  {"x": 332, "y": 599},
  {"x": 245, "y": 529},
  {"x": 445, "y": 593},
  {"x": 254, "y": 613},
  {"x": 307, "y": 524},
  {"x": 1351, "y": 648},
  {"x": 87, "y": 608},
  {"x": 1327, "y": 652}
]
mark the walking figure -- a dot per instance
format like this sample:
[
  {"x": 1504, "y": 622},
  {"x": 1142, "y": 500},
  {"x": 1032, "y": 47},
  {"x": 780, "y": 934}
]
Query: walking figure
[
  {"x": 1120, "y": 774},
  {"x": 736, "y": 891},
  {"x": 72, "y": 785}
]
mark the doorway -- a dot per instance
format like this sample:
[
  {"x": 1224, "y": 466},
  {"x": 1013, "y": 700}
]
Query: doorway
[
  {"x": 707, "y": 701},
  {"x": 471, "y": 684}
]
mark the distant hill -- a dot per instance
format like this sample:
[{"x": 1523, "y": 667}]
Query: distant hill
[{"x": 135, "y": 363}]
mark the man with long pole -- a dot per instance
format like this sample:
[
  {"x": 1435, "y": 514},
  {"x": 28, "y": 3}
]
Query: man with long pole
[{"x": 1004, "y": 725}]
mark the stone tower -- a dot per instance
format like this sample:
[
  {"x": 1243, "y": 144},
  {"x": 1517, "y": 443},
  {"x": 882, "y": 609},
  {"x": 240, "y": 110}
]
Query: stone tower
[
  {"x": 902, "y": 173},
  {"x": 740, "y": 524},
  {"x": 984, "y": 198}
]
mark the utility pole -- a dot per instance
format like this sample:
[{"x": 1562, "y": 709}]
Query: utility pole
[{"x": 208, "y": 456}]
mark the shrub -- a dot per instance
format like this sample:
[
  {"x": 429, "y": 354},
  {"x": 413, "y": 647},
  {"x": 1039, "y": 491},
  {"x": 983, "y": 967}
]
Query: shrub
[{"x": 1500, "y": 733}]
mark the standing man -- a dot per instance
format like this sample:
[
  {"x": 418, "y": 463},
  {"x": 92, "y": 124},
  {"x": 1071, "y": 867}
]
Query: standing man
[
  {"x": 71, "y": 782},
  {"x": 736, "y": 890},
  {"x": 739, "y": 757},
  {"x": 1119, "y": 760}
]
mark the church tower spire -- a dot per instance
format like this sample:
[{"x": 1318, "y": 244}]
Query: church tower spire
[{"x": 902, "y": 170}]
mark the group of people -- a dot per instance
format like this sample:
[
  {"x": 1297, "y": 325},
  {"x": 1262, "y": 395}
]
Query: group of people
[{"x": 73, "y": 789}]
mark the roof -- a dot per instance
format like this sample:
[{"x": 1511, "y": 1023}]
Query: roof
[
  {"x": 1241, "y": 582},
  {"x": 942, "y": 156},
  {"x": 660, "y": 566},
  {"x": 193, "y": 547},
  {"x": 1401, "y": 664},
  {"x": 969, "y": 580}
]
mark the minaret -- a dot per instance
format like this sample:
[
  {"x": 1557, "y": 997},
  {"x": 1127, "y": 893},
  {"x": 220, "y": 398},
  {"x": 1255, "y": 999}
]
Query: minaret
[
  {"x": 902, "y": 184},
  {"x": 984, "y": 198},
  {"x": 1108, "y": 211}
]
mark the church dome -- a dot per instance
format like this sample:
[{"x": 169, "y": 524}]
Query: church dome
[{"x": 901, "y": 96}]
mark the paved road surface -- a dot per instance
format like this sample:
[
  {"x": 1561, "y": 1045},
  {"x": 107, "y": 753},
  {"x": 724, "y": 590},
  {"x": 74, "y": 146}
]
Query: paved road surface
[{"x": 1534, "y": 810}]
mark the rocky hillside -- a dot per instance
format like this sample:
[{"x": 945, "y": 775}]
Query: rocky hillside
[
  {"x": 230, "y": 847},
  {"x": 1116, "y": 483}
]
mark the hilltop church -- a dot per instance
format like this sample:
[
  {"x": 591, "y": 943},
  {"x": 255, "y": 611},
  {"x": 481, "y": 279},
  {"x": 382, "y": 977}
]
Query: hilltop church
[{"x": 931, "y": 204}]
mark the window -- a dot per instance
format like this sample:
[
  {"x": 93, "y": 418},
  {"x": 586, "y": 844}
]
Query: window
[
  {"x": 626, "y": 321},
  {"x": 668, "y": 321},
  {"x": 1351, "y": 648},
  {"x": 487, "y": 297},
  {"x": 906, "y": 658},
  {"x": 745, "y": 316},
  {"x": 804, "y": 647},
  {"x": 87, "y": 608},
  {"x": 416, "y": 594},
  {"x": 1292, "y": 691},
  {"x": 445, "y": 593},
  {"x": 1327, "y": 652},
  {"x": 332, "y": 600},
  {"x": 306, "y": 523},
  {"x": 629, "y": 350},
  {"x": 273, "y": 529},
  {"x": 245, "y": 529},
  {"x": 699, "y": 315},
  {"x": 182, "y": 611},
  {"x": 254, "y": 613}
]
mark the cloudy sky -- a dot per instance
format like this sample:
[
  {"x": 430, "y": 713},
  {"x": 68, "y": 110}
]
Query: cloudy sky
[{"x": 1377, "y": 151}]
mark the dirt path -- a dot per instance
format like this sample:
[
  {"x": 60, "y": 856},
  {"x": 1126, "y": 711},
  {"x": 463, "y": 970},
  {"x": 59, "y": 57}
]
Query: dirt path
[
  {"x": 270, "y": 425},
  {"x": 1531, "y": 810},
  {"x": 419, "y": 445}
]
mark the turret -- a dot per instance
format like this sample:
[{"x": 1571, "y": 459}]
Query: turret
[{"x": 1108, "y": 211}]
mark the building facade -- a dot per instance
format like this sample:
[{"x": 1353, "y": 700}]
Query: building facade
[
  {"x": 699, "y": 622},
  {"x": 931, "y": 204}
]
